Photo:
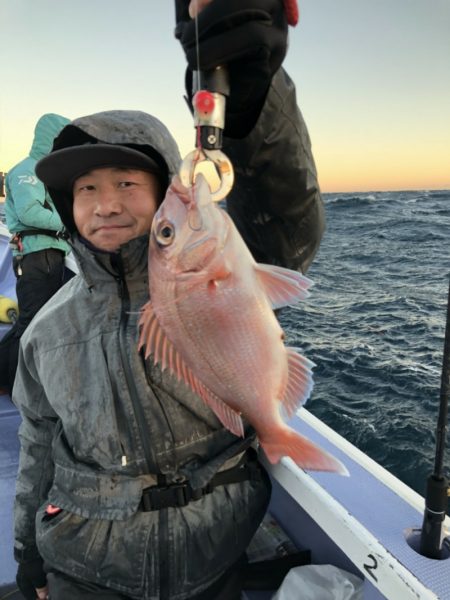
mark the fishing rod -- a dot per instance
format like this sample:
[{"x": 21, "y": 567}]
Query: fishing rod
[{"x": 436, "y": 499}]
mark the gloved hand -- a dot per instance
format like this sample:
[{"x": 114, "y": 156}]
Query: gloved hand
[
  {"x": 250, "y": 38},
  {"x": 32, "y": 580}
]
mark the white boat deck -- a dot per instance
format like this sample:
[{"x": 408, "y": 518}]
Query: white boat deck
[{"x": 365, "y": 519}]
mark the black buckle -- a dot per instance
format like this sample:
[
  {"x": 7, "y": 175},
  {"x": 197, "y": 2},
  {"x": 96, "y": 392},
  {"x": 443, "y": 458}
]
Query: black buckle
[
  {"x": 156, "y": 498},
  {"x": 180, "y": 494},
  {"x": 181, "y": 491}
]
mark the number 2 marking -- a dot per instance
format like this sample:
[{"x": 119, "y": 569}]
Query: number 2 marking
[{"x": 369, "y": 568}]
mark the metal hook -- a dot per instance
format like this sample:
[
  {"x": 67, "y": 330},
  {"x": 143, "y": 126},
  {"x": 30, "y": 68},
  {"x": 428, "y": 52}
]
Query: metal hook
[{"x": 222, "y": 165}]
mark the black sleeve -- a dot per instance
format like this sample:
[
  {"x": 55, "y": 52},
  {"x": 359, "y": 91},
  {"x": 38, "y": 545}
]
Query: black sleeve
[{"x": 276, "y": 201}]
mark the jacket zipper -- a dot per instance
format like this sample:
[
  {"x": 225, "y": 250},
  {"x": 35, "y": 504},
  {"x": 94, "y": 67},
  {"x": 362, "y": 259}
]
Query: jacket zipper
[
  {"x": 124, "y": 296},
  {"x": 137, "y": 407}
]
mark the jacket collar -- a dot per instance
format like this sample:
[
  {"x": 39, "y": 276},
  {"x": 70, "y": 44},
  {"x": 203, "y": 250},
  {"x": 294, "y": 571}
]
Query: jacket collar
[{"x": 97, "y": 266}]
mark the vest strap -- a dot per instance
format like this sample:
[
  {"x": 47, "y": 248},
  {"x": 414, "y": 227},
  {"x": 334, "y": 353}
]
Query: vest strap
[{"x": 180, "y": 494}]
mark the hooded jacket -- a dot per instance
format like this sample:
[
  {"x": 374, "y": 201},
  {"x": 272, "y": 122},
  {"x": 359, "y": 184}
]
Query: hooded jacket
[
  {"x": 100, "y": 423},
  {"x": 27, "y": 204}
]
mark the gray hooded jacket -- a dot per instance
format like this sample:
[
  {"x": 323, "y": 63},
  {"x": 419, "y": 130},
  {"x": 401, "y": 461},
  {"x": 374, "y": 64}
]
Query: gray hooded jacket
[{"x": 100, "y": 424}]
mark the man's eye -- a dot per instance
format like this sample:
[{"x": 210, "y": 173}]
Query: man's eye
[
  {"x": 125, "y": 184},
  {"x": 86, "y": 188}
]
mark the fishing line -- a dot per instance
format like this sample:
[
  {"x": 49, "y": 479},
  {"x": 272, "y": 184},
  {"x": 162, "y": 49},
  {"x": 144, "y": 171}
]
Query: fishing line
[
  {"x": 197, "y": 44},
  {"x": 197, "y": 84}
]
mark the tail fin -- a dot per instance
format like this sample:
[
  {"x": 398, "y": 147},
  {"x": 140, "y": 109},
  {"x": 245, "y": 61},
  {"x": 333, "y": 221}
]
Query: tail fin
[{"x": 287, "y": 442}]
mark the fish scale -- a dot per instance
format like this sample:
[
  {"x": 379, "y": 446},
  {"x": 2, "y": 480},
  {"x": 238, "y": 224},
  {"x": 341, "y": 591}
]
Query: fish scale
[{"x": 233, "y": 323}]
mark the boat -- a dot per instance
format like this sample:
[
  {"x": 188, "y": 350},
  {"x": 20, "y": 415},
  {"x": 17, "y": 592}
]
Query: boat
[{"x": 368, "y": 524}]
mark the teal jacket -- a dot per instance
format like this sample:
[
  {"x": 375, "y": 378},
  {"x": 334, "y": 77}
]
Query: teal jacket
[{"x": 27, "y": 204}]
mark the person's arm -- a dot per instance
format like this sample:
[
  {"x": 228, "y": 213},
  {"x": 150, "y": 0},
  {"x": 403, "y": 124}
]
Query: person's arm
[
  {"x": 276, "y": 201},
  {"x": 35, "y": 473},
  {"x": 31, "y": 204}
]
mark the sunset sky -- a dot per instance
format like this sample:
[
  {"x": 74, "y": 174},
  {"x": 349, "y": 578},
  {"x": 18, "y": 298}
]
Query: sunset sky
[{"x": 373, "y": 80}]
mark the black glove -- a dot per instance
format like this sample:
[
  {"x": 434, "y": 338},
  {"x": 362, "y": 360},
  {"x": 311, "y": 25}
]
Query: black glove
[
  {"x": 250, "y": 38},
  {"x": 31, "y": 575}
]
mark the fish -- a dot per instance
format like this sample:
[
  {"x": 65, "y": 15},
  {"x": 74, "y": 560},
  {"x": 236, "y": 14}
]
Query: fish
[{"x": 210, "y": 321}]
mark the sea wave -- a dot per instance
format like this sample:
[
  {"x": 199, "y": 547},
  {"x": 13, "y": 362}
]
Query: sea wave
[
  {"x": 374, "y": 325},
  {"x": 349, "y": 198}
]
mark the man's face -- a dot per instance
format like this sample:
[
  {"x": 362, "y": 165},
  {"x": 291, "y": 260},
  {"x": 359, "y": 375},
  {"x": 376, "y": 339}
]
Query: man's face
[{"x": 113, "y": 205}]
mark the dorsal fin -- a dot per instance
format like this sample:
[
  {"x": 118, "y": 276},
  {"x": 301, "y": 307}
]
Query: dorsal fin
[
  {"x": 282, "y": 286},
  {"x": 231, "y": 419},
  {"x": 157, "y": 344}
]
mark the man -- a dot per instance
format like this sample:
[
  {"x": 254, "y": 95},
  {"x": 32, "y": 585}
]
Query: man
[
  {"x": 128, "y": 485},
  {"x": 38, "y": 246}
]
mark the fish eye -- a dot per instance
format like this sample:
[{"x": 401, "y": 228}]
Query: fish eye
[{"x": 165, "y": 233}]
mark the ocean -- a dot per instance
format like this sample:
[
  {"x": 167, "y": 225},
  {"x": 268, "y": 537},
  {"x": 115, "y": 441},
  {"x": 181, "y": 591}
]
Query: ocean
[{"x": 374, "y": 325}]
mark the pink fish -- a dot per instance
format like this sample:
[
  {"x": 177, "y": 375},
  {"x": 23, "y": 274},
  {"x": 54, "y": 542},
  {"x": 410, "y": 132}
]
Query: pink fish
[{"x": 210, "y": 321}]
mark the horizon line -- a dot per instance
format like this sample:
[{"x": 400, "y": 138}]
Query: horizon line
[{"x": 386, "y": 191}]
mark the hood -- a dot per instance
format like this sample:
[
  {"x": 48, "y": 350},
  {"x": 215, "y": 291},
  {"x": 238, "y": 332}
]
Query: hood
[
  {"x": 136, "y": 130},
  {"x": 47, "y": 128}
]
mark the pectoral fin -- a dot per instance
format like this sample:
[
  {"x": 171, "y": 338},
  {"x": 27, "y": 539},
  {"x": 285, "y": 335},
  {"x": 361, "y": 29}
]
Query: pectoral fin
[{"x": 282, "y": 286}]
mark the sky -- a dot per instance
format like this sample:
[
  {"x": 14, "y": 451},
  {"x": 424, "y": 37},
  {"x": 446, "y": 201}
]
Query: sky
[{"x": 372, "y": 79}]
